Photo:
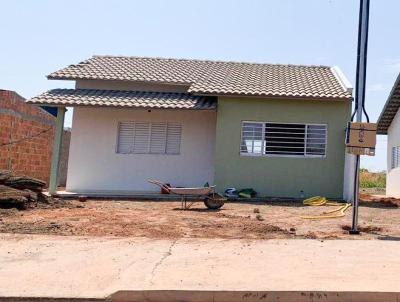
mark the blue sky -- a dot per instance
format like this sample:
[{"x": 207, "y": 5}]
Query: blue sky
[{"x": 38, "y": 37}]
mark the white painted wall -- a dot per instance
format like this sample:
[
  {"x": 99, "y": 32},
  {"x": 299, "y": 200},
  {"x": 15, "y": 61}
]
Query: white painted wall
[
  {"x": 349, "y": 172},
  {"x": 94, "y": 165},
  {"x": 393, "y": 175}
]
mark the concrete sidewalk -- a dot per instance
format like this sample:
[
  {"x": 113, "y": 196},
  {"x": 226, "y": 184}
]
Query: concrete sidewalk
[{"x": 128, "y": 269}]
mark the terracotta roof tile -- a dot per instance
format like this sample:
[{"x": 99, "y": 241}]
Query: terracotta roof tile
[
  {"x": 213, "y": 77},
  {"x": 117, "y": 98}
]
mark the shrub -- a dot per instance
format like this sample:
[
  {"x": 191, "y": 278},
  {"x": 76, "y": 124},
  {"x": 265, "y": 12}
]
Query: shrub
[{"x": 372, "y": 179}]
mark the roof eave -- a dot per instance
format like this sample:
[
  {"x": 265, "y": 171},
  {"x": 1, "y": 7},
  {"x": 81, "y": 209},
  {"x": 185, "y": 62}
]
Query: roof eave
[
  {"x": 263, "y": 96},
  {"x": 73, "y": 98},
  {"x": 389, "y": 99},
  {"x": 342, "y": 79},
  {"x": 119, "y": 107}
]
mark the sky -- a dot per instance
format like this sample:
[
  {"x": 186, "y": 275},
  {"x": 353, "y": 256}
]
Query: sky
[{"x": 42, "y": 36}]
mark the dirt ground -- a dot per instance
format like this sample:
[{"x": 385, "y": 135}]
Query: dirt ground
[{"x": 161, "y": 219}]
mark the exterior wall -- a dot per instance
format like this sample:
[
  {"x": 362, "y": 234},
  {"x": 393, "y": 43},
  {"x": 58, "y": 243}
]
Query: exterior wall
[
  {"x": 94, "y": 165},
  {"x": 126, "y": 85},
  {"x": 393, "y": 175},
  {"x": 349, "y": 171},
  {"x": 281, "y": 176},
  {"x": 26, "y": 137}
]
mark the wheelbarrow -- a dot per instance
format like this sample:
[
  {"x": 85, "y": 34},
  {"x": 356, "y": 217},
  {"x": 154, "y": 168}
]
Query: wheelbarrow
[{"x": 212, "y": 200}]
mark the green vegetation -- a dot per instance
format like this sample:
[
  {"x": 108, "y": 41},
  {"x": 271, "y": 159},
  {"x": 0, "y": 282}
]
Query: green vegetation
[{"x": 372, "y": 179}]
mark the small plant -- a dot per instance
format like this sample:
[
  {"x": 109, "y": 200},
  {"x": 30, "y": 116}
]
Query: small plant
[{"x": 372, "y": 179}]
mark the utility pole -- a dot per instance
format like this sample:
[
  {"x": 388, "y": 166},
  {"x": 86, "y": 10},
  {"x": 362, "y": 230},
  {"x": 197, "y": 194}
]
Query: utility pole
[{"x": 361, "y": 73}]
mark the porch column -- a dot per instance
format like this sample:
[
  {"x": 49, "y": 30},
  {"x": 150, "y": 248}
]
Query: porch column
[{"x": 55, "y": 159}]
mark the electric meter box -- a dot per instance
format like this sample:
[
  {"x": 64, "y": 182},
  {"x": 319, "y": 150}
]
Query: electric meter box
[{"x": 361, "y": 138}]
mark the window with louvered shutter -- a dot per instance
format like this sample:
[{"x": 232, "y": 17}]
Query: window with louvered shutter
[
  {"x": 395, "y": 157},
  {"x": 125, "y": 137},
  {"x": 141, "y": 137},
  {"x": 149, "y": 138},
  {"x": 173, "y": 142},
  {"x": 158, "y": 138}
]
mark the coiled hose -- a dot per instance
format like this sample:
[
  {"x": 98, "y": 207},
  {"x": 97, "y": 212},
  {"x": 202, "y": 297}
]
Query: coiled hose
[{"x": 322, "y": 201}]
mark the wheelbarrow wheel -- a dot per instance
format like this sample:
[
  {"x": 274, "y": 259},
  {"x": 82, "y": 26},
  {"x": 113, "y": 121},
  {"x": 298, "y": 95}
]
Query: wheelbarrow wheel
[{"x": 213, "y": 203}]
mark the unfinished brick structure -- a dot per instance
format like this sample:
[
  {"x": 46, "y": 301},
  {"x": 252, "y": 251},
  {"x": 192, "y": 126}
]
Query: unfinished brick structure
[{"x": 26, "y": 136}]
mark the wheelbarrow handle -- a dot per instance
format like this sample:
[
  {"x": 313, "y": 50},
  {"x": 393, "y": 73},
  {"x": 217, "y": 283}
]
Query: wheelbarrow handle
[{"x": 159, "y": 183}]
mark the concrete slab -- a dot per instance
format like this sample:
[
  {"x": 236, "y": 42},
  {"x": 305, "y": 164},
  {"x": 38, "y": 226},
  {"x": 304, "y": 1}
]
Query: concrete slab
[
  {"x": 133, "y": 269},
  {"x": 154, "y": 196},
  {"x": 134, "y": 195}
]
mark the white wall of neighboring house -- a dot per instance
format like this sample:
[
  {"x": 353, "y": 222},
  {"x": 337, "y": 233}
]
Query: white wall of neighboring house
[
  {"x": 350, "y": 159},
  {"x": 393, "y": 175},
  {"x": 349, "y": 172},
  {"x": 95, "y": 166}
]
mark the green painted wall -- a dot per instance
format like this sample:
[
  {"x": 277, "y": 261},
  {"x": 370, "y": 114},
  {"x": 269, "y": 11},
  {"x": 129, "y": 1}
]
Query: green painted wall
[{"x": 280, "y": 176}]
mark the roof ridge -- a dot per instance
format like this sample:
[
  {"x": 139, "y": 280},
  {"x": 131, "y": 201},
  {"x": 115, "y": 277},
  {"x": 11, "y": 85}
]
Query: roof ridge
[{"x": 209, "y": 61}]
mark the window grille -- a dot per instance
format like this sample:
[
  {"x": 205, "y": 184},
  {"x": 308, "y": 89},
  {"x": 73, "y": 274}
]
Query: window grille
[{"x": 283, "y": 139}]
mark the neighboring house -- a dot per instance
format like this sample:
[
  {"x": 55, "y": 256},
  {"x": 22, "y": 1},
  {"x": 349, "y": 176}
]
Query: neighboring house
[
  {"x": 279, "y": 129},
  {"x": 389, "y": 124}
]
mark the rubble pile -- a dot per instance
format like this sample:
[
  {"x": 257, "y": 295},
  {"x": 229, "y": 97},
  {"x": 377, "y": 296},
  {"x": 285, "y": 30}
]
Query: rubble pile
[{"x": 20, "y": 191}]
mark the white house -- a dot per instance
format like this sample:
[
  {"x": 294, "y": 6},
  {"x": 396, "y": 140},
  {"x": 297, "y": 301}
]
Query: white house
[{"x": 389, "y": 124}]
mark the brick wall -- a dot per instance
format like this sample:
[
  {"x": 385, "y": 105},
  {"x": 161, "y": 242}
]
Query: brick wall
[{"x": 26, "y": 136}]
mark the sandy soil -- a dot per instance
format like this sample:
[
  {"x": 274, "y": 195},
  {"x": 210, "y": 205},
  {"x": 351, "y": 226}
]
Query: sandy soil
[{"x": 157, "y": 219}]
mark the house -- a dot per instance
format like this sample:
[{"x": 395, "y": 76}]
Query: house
[
  {"x": 389, "y": 124},
  {"x": 279, "y": 129}
]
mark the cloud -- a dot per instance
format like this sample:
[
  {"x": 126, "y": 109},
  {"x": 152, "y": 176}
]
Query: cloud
[{"x": 376, "y": 87}]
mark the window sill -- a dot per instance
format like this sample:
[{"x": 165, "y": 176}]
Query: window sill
[
  {"x": 173, "y": 154},
  {"x": 282, "y": 155}
]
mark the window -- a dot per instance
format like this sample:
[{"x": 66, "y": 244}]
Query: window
[
  {"x": 252, "y": 137},
  {"x": 395, "y": 157},
  {"x": 283, "y": 139},
  {"x": 149, "y": 138}
]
